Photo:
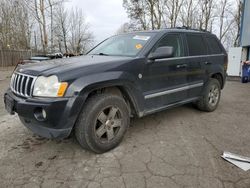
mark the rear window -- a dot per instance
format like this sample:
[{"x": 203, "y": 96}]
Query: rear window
[
  {"x": 196, "y": 45},
  {"x": 214, "y": 46}
]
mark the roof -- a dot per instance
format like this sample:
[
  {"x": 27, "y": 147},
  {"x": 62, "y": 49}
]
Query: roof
[{"x": 175, "y": 29}]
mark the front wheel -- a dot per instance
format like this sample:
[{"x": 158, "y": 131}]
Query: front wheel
[
  {"x": 102, "y": 123},
  {"x": 211, "y": 96}
]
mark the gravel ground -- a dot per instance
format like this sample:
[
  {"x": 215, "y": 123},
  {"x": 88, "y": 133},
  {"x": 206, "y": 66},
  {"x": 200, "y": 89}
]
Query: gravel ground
[{"x": 180, "y": 147}]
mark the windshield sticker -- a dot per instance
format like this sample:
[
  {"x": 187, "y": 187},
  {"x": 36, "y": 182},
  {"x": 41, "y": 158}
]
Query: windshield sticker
[
  {"x": 141, "y": 37},
  {"x": 138, "y": 46}
]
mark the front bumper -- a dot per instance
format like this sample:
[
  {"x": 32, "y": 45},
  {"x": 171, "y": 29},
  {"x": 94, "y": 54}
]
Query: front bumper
[{"x": 61, "y": 114}]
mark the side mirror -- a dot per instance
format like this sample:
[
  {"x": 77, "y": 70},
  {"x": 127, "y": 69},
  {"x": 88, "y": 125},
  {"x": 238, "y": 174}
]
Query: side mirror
[{"x": 162, "y": 52}]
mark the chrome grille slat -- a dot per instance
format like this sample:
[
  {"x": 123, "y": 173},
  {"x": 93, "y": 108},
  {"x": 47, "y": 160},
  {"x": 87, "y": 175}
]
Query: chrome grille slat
[
  {"x": 32, "y": 86},
  {"x": 26, "y": 87},
  {"x": 15, "y": 83},
  {"x": 11, "y": 81},
  {"x": 21, "y": 87},
  {"x": 18, "y": 84},
  {"x": 22, "y": 84}
]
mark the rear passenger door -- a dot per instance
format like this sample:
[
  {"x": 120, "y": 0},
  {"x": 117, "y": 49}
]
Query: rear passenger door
[
  {"x": 217, "y": 55},
  {"x": 196, "y": 60}
]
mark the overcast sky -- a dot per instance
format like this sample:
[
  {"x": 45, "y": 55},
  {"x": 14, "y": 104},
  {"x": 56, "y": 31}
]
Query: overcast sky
[{"x": 104, "y": 16}]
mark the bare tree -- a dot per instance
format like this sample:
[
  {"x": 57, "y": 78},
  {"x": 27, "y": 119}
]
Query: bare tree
[
  {"x": 14, "y": 25},
  {"x": 79, "y": 33},
  {"x": 52, "y": 4},
  {"x": 207, "y": 7},
  {"x": 51, "y": 25},
  {"x": 126, "y": 28},
  {"x": 237, "y": 19},
  {"x": 148, "y": 13},
  {"x": 151, "y": 6},
  {"x": 62, "y": 25},
  {"x": 225, "y": 19},
  {"x": 173, "y": 8},
  {"x": 37, "y": 9},
  {"x": 44, "y": 27},
  {"x": 189, "y": 13},
  {"x": 43, "y": 11},
  {"x": 137, "y": 12}
]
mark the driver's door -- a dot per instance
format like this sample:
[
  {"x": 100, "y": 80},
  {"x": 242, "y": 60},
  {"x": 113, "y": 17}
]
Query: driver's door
[{"x": 164, "y": 81}]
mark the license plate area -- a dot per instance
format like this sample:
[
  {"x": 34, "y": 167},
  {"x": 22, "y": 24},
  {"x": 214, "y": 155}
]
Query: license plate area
[{"x": 9, "y": 104}]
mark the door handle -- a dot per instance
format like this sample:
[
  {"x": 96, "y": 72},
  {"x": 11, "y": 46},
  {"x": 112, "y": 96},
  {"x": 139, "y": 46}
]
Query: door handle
[
  {"x": 181, "y": 66},
  {"x": 207, "y": 63}
]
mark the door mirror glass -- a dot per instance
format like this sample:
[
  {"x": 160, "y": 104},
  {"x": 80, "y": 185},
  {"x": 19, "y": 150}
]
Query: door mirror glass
[{"x": 162, "y": 52}]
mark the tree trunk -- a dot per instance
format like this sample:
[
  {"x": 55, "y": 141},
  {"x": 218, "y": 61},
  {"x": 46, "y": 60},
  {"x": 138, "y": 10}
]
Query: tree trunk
[
  {"x": 51, "y": 27},
  {"x": 45, "y": 36}
]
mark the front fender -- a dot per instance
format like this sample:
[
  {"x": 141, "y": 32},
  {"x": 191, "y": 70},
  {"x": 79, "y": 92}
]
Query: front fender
[{"x": 128, "y": 82}]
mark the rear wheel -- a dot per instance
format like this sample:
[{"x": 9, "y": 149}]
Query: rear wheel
[
  {"x": 211, "y": 96},
  {"x": 102, "y": 123}
]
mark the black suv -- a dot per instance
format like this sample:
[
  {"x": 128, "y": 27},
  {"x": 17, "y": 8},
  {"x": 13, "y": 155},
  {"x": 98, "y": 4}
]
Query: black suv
[{"x": 133, "y": 74}]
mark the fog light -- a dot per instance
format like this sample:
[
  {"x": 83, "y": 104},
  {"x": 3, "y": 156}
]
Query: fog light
[
  {"x": 44, "y": 114},
  {"x": 40, "y": 114}
]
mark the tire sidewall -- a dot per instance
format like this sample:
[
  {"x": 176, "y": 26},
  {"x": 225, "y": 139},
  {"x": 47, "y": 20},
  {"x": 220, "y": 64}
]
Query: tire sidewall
[{"x": 92, "y": 113}]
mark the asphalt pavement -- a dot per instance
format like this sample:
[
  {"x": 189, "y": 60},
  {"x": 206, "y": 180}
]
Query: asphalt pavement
[{"x": 180, "y": 147}]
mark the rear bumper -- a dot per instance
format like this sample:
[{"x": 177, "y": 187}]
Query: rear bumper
[{"x": 61, "y": 114}]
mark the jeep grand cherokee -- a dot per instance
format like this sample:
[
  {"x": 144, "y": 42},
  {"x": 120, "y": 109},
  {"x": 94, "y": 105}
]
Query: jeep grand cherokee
[{"x": 133, "y": 74}]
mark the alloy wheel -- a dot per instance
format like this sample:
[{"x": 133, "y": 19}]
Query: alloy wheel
[
  {"x": 108, "y": 124},
  {"x": 213, "y": 95}
]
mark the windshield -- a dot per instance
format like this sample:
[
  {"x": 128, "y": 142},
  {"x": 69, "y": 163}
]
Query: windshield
[{"x": 122, "y": 45}]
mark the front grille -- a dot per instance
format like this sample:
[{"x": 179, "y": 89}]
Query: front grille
[{"x": 22, "y": 84}]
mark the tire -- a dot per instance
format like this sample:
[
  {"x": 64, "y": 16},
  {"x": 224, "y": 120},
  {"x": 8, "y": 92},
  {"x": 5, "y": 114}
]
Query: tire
[
  {"x": 102, "y": 123},
  {"x": 211, "y": 96}
]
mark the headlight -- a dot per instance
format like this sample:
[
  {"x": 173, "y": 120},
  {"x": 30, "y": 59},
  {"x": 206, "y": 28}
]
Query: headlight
[{"x": 49, "y": 87}]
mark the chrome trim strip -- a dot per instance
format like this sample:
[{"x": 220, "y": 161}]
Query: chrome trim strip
[
  {"x": 188, "y": 57},
  {"x": 170, "y": 105},
  {"x": 167, "y": 92},
  {"x": 25, "y": 74}
]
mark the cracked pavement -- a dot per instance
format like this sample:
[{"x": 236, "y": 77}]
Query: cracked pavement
[{"x": 180, "y": 147}]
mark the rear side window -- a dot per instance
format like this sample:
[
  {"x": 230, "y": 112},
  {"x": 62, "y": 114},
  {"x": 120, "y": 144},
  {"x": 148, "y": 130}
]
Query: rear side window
[
  {"x": 196, "y": 45},
  {"x": 214, "y": 46}
]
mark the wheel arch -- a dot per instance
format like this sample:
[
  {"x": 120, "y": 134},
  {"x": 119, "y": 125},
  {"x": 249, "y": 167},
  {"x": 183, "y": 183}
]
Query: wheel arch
[
  {"x": 218, "y": 76},
  {"x": 116, "y": 89}
]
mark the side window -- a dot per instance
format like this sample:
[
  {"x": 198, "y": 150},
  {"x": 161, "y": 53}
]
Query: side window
[
  {"x": 196, "y": 45},
  {"x": 214, "y": 45},
  {"x": 174, "y": 41}
]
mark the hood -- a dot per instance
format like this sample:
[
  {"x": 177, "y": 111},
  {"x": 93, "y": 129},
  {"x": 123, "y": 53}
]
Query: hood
[{"x": 60, "y": 66}]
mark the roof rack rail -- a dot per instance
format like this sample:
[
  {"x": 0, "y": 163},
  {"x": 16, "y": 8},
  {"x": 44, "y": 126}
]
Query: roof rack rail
[{"x": 189, "y": 28}]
